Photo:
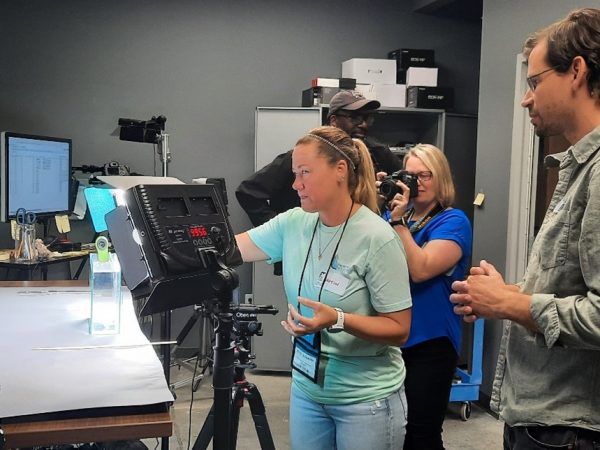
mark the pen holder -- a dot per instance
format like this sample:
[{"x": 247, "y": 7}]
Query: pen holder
[{"x": 25, "y": 243}]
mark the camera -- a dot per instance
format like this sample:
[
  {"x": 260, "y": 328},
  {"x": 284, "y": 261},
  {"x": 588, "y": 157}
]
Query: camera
[
  {"x": 142, "y": 130},
  {"x": 388, "y": 187}
]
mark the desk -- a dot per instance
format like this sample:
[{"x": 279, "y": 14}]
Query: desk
[
  {"x": 29, "y": 267},
  {"x": 100, "y": 429},
  {"x": 99, "y": 418}
]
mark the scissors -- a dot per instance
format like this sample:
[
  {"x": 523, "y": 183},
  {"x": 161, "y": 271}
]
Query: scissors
[{"x": 25, "y": 217}]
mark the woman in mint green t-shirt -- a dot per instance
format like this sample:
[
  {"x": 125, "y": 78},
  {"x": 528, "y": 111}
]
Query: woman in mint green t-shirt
[{"x": 346, "y": 281}]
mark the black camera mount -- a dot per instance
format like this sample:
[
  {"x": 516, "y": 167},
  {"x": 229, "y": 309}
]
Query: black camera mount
[{"x": 230, "y": 359}]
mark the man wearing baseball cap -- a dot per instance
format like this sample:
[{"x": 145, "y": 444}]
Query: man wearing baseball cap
[{"x": 269, "y": 192}]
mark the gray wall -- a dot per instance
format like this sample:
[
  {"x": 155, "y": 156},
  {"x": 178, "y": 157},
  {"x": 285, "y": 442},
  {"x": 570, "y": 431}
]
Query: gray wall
[
  {"x": 506, "y": 24},
  {"x": 73, "y": 67}
]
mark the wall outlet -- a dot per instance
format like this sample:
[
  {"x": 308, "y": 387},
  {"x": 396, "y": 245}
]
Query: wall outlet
[{"x": 248, "y": 298}]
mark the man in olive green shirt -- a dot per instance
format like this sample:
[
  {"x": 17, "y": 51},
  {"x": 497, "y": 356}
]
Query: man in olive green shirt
[{"x": 547, "y": 382}]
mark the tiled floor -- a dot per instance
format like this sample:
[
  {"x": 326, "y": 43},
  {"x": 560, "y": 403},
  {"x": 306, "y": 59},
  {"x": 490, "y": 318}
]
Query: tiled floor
[{"x": 481, "y": 431}]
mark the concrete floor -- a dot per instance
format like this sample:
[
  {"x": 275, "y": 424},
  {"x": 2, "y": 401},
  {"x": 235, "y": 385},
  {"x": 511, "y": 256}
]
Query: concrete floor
[{"x": 481, "y": 431}]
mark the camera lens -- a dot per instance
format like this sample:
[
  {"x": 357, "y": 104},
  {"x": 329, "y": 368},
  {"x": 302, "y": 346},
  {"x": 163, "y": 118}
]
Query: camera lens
[{"x": 388, "y": 189}]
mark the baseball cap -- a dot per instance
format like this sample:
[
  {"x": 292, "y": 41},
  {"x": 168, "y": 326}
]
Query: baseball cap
[{"x": 351, "y": 101}]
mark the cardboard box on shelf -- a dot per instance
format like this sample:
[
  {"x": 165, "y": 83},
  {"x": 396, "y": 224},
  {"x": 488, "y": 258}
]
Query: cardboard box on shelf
[
  {"x": 409, "y": 57},
  {"x": 342, "y": 83},
  {"x": 422, "y": 76},
  {"x": 389, "y": 95},
  {"x": 366, "y": 91},
  {"x": 430, "y": 97},
  {"x": 316, "y": 96},
  {"x": 370, "y": 70}
]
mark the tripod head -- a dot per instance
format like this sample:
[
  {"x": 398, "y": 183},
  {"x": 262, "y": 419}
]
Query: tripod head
[{"x": 246, "y": 325}]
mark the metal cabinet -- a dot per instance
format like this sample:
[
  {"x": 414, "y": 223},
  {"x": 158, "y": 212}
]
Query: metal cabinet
[{"x": 277, "y": 130}]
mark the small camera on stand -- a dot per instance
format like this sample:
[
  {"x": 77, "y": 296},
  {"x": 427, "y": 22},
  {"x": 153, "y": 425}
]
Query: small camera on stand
[{"x": 135, "y": 130}]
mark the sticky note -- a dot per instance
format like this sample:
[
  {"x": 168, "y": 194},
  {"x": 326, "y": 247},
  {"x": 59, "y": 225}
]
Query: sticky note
[
  {"x": 62, "y": 223},
  {"x": 479, "y": 198}
]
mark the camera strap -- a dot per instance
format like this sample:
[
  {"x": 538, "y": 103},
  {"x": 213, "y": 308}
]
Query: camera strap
[{"x": 420, "y": 224}]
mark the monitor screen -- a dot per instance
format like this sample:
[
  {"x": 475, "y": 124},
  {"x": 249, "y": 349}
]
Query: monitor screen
[{"x": 35, "y": 175}]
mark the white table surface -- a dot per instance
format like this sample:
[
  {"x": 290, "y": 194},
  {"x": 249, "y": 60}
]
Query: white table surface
[{"x": 63, "y": 376}]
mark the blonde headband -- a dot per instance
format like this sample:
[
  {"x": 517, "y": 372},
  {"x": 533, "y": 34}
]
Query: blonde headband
[{"x": 332, "y": 145}]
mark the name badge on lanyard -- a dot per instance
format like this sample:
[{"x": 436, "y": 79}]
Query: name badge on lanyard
[
  {"x": 306, "y": 355},
  {"x": 336, "y": 282}
]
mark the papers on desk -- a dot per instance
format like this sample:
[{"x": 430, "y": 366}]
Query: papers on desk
[{"x": 111, "y": 371}]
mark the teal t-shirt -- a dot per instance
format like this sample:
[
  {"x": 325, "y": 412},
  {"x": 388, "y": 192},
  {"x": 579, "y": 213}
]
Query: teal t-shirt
[{"x": 370, "y": 256}]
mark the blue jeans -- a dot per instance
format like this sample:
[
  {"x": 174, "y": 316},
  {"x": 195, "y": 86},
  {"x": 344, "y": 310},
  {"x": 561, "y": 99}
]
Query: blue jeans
[{"x": 376, "y": 425}]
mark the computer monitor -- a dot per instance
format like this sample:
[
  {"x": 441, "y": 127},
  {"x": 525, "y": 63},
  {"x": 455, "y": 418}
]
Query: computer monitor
[{"x": 35, "y": 174}]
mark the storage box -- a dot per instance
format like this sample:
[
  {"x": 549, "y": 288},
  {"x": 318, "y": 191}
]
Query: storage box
[
  {"x": 421, "y": 76},
  {"x": 366, "y": 91},
  {"x": 316, "y": 96},
  {"x": 342, "y": 83},
  {"x": 407, "y": 57},
  {"x": 390, "y": 95},
  {"x": 401, "y": 76},
  {"x": 429, "y": 97},
  {"x": 370, "y": 71}
]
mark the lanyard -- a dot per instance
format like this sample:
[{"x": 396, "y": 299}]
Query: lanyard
[
  {"x": 332, "y": 256},
  {"x": 420, "y": 224}
]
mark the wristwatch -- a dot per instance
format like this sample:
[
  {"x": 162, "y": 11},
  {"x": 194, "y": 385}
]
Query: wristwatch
[
  {"x": 401, "y": 221},
  {"x": 339, "y": 325}
]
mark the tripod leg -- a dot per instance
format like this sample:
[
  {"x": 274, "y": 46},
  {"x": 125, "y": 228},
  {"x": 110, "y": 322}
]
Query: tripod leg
[
  {"x": 207, "y": 431},
  {"x": 257, "y": 408},
  {"x": 238, "y": 402}
]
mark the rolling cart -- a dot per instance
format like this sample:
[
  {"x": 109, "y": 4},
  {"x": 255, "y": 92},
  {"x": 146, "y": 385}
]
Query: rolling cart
[{"x": 465, "y": 387}]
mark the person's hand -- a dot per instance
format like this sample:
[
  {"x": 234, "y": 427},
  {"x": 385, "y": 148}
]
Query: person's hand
[
  {"x": 467, "y": 317},
  {"x": 299, "y": 325},
  {"x": 482, "y": 294},
  {"x": 399, "y": 204},
  {"x": 380, "y": 176}
]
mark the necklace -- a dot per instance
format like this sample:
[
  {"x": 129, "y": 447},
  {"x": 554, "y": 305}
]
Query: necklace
[{"x": 322, "y": 250}]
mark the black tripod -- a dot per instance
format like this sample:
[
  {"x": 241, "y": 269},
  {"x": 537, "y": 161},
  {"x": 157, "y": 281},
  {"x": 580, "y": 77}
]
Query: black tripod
[
  {"x": 230, "y": 384},
  {"x": 204, "y": 355},
  {"x": 242, "y": 389}
]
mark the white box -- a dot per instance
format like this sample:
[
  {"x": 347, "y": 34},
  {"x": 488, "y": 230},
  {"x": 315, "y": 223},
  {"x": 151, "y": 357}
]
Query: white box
[
  {"x": 421, "y": 76},
  {"x": 370, "y": 71},
  {"x": 325, "y": 82},
  {"x": 366, "y": 90},
  {"x": 390, "y": 95}
]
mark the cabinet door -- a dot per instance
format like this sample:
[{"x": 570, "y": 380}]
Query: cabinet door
[{"x": 277, "y": 130}]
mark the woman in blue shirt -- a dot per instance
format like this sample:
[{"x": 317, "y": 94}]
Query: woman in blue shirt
[
  {"x": 437, "y": 240},
  {"x": 346, "y": 281}
]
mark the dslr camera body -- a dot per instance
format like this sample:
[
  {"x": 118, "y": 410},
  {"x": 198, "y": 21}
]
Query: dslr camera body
[{"x": 388, "y": 187}]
